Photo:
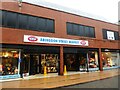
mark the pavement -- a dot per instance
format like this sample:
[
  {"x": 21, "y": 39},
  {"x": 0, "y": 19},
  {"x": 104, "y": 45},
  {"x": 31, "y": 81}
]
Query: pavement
[
  {"x": 111, "y": 82},
  {"x": 55, "y": 81}
]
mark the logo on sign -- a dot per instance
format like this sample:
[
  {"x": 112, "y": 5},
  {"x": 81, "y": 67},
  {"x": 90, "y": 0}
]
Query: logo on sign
[
  {"x": 32, "y": 38},
  {"x": 83, "y": 42}
]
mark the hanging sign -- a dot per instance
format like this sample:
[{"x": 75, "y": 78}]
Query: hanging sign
[{"x": 51, "y": 40}]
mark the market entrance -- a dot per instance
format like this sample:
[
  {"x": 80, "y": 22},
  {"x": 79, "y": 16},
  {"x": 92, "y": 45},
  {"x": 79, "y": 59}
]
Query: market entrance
[
  {"x": 31, "y": 64},
  {"x": 35, "y": 59},
  {"x": 35, "y": 63},
  {"x": 81, "y": 59},
  {"x": 83, "y": 64},
  {"x": 76, "y": 61}
]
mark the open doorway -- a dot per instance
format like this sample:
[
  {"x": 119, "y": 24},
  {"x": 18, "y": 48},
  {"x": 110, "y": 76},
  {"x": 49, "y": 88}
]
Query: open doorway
[
  {"x": 35, "y": 63},
  {"x": 83, "y": 62},
  {"x": 70, "y": 60},
  {"x": 31, "y": 64}
]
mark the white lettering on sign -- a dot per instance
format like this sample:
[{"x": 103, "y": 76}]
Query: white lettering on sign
[{"x": 51, "y": 40}]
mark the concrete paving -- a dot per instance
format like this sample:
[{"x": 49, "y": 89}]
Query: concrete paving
[
  {"x": 60, "y": 81},
  {"x": 111, "y": 82}
]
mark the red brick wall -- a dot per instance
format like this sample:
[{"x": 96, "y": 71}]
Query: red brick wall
[{"x": 15, "y": 36}]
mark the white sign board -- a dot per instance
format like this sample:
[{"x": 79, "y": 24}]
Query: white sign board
[
  {"x": 51, "y": 40},
  {"x": 110, "y": 35}
]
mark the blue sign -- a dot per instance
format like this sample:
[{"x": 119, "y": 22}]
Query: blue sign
[{"x": 9, "y": 76}]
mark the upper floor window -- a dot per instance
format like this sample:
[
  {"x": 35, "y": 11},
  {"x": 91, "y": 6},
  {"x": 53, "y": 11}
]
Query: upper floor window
[
  {"x": 80, "y": 30},
  {"x": 110, "y": 35},
  {"x": 24, "y": 21}
]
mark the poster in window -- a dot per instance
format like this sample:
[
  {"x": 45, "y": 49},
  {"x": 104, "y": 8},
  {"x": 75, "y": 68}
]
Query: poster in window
[{"x": 110, "y": 35}]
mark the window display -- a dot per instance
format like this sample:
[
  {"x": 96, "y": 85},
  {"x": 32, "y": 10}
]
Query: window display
[
  {"x": 51, "y": 61},
  {"x": 83, "y": 63},
  {"x": 110, "y": 59},
  {"x": 93, "y": 60},
  {"x": 70, "y": 61},
  {"x": 9, "y": 64}
]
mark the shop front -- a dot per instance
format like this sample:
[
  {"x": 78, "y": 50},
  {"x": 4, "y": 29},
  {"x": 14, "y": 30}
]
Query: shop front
[
  {"x": 79, "y": 59},
  {"x": 27, "y": 58},
  {"x": 93, "y": 61},
  {"x": 10, "y": 63},
  {"x": 51, "y": 59},
  {"x": 35, "y": 58},
  {"x": 57, "y": 53},
  {"x": 35, "y": 63},
  {"x": 110, "y": 59}
]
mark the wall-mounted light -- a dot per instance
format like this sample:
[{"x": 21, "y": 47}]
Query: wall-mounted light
[
  {"x": 20, "y": 3},
  {"x": 93, "y": 52},
  {"x": 107, "y": 50},
  {"x": 14, "y": 51}
]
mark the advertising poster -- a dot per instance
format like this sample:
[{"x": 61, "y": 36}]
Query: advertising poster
[{"x": 110, "y": 35}]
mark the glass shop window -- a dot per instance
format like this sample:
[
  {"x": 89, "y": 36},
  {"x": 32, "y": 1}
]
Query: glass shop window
[
  {"x": 9, "y": 64},
  {"x": 110, "y": 59}
]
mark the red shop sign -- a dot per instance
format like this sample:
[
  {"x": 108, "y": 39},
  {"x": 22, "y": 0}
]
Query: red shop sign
[
  {"x": 83, "y": 43},
  {"x": 32, "y": 38}
]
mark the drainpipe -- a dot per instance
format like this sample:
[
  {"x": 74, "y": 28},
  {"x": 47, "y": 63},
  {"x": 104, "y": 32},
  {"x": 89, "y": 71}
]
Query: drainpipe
[
  {"x": 100, "y": 60},
  {"x": 61, "y": 61},
  {"x": 87, "y": 61}
]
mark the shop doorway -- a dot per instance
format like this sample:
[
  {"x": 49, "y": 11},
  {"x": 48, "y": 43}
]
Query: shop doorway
[
  {"x": 83, "y": 62},
  {"x": 35, "y": 64},
  {"x": 71, "y": 62},
  {"x": 31, "y": 64}
]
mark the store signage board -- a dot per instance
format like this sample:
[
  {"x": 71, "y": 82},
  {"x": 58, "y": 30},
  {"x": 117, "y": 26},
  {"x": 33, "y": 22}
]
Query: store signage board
[
  {"x": 110, "y": 35},
  {"x": 51, "y": 40}
]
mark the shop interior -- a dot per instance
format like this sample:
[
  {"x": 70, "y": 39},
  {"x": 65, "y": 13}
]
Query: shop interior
[
  {"x": 83, "y": 62},
  {"x": 78, "y": 62},
  {"x": 51, "y": 61},
  {"x": 9, "y": 64},
  {"x": 35, "y": 63},
  {"x": 110, "y": 59},
  {"x": 93, "y": 60},
  {"x": 70, "y": 60}
]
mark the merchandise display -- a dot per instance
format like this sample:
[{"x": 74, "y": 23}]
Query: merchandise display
[
  {"x": 110, "y": 59},
  {"x": 9, "y": 62},
  {"x": 70, "y": 61},
  {"x": 93, "y": 60},
  {"x": 51, "y": 61},
  {"x": 92, "y": 63}
]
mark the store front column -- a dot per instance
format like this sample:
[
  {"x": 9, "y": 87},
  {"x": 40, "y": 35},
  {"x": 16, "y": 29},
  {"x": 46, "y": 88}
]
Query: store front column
[
  {"x": 61, "y": 60},
  {"x": 100, "y": 58}
]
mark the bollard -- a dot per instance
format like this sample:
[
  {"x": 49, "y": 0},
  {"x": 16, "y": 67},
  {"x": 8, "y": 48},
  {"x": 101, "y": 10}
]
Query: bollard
[
  {"x": 65, "y": 70},
  {"x": 45, "y": 70}
]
